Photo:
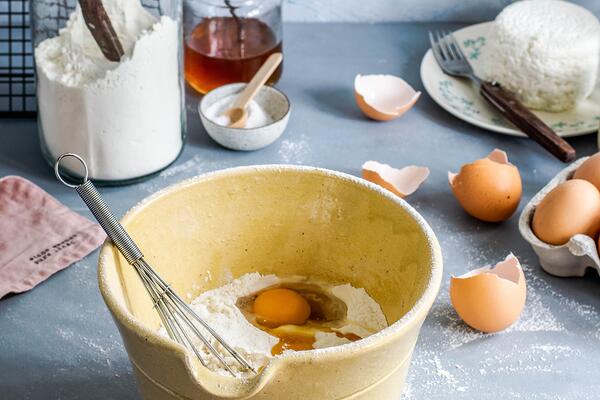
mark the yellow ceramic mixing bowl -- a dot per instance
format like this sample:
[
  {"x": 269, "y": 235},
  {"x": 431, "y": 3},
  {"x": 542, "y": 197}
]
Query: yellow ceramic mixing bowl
[{"x": 286, "y": 220}]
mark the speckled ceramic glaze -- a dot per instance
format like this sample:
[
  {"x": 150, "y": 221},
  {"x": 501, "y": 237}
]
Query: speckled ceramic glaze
[
  {"x": 287, "y": 220},
  {"x": 273, "y": 101},
  {"x": 571, "y": 258}
]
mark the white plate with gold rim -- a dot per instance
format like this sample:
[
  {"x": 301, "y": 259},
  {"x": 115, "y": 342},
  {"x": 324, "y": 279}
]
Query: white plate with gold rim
[{"x": 461, "y": 98}]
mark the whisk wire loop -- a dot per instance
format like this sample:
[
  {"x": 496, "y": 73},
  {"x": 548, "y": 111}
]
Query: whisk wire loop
[{"x": 163, "y": 285}]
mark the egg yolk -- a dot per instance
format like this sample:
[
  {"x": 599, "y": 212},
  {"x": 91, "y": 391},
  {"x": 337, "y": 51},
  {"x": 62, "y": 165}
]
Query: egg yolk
[
  {"x": 276, "y": 307},
  {"x": 299, "y": 338},
  {"x": 296, "y": 343}
]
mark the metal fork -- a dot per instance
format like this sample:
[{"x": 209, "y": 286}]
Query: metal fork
[{"x": 452, "y": 61}]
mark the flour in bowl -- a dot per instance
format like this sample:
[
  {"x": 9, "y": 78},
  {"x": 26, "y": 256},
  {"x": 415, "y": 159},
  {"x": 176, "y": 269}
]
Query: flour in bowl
[
  {"x": 225, "y": 309},
  {"x": 124, "y": 118}
]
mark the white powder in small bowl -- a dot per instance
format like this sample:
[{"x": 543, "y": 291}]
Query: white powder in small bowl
[{"x": 257, "y": 116}]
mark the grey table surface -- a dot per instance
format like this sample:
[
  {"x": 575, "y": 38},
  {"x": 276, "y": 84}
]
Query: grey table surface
[{"x": 58, "y": 340}]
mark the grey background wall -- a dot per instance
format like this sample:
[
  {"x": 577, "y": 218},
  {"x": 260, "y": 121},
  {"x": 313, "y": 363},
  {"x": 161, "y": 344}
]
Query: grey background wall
[{"x": 402, "y": 10}]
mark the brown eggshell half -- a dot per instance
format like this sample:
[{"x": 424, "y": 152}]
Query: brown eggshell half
[
  {"x": 490, "y": 299},
  {"x": 401, "y": 182},
  {"x": 571, "y": 208},
  {"x": 488, "y": 189},
  {"x": 590, "y": 171},
  {"x": 383, "y": 97}
]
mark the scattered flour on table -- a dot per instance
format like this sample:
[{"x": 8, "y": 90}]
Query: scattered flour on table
[
  {"x": 190, "y": 168},
  {"x": 294, "y": 151},
  {"x": 189, "y": 165},
  {"x": 454, "y": 361}
]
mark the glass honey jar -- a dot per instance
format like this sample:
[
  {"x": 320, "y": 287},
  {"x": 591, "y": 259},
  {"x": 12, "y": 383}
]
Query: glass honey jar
[{"x": 226, "y": 41}]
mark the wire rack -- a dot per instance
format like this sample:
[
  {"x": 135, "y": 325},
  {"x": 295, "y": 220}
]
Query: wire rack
[{"x": 17, "y": 81}]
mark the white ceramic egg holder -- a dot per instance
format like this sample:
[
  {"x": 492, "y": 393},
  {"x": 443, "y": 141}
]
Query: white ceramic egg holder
[{"x": 571, "y": 258}]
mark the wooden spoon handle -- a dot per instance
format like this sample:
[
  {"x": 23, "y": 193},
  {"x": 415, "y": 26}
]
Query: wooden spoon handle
[
  {"x": 99, "y": 24},
  {"x": 527, "y": 121},
  {"x": 258, "y": 80}
]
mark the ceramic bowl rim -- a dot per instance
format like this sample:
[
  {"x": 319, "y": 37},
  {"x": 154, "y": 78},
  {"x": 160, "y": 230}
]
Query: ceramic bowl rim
[{"x": 415, "y": 315}]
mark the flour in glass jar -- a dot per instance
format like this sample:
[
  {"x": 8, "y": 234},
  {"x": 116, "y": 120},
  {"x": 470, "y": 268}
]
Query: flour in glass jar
[{"x": 124, "y": 118}]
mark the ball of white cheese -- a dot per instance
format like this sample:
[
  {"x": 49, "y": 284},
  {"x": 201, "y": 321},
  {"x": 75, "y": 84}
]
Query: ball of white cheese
[{"x": 544, "y": 51}]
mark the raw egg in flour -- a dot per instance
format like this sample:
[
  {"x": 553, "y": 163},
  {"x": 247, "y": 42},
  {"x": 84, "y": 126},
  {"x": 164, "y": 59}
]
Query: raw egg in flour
[
  {"x": 305, "y": 316},
  {"x": 281, "y": 306}
]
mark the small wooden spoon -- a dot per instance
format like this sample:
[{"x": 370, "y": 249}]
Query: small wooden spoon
[{"x": 237, "y": 113}]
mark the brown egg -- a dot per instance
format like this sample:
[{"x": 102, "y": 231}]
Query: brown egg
[
  {"x": 488, "y": 189},
  {"x": 571, "y": 208},
  {"x": 490, "y": 299},
  {"x": 590, "y": 171}
]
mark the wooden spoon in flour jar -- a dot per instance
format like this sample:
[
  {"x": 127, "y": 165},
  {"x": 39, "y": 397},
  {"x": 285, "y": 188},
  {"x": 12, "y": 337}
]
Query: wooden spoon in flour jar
[
  {"x": 238, "y": 113},
  {"x": 98, "y": 22}
]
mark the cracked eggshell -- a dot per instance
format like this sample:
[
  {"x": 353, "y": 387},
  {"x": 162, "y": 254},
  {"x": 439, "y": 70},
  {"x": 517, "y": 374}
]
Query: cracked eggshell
[
  {"x": 570, "y": 259},
  {"x": 488, "y": 189},
  {"x": 490, "y": 299},
  {"x": 401, "y": 182},
  {"x": 383, "y": 97}
]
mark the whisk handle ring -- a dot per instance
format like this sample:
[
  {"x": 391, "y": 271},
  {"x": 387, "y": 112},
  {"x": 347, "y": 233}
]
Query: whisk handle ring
[
  {"x": 92, "y": 198},
  {"x": 57, "y": 169}
]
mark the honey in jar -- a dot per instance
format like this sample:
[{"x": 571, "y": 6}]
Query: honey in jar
[{"x": 222, "y": 50}]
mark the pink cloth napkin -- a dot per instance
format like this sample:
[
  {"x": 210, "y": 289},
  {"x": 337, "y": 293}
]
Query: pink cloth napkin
[{"x": 38, "y": 235}]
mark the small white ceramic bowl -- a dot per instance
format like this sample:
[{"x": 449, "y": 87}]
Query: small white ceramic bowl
[{"x": 273, "y": 101}]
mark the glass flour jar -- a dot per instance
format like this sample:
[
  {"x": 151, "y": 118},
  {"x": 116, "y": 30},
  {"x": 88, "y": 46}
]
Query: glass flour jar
[{"x": 127, "y": 118}]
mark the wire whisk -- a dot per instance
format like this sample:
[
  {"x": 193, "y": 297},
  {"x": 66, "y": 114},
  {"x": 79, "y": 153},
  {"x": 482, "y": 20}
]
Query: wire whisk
[{"x": 179, "y": 320}]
